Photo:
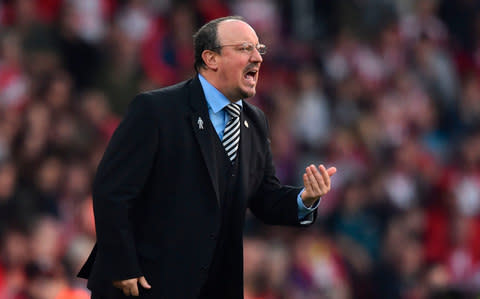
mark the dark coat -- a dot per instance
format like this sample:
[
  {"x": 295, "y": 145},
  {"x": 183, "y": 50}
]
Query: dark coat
[{"x": 156, "y": 202}]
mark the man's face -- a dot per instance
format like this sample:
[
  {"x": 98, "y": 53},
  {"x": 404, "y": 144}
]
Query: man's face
[{"x": 237, "y": 67}]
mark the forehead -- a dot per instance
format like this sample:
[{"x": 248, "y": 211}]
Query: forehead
[{"x": 232, "y": 31}]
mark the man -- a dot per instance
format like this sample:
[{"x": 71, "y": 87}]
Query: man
[{"x": 172, "y": 189}]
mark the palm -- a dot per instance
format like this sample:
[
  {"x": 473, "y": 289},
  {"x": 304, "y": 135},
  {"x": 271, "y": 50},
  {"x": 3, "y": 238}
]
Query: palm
[{"x": 317, "y": 183}]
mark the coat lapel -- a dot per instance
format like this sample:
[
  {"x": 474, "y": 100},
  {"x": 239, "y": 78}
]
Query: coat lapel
[
  {"x": 200, "y": 121},
  {"x": 246, "y": 128}
]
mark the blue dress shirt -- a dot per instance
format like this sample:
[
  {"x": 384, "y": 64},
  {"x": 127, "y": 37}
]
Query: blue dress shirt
[{"x": 216, "y": 101}]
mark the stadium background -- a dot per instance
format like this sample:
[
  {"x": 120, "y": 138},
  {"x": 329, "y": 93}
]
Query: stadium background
[{"x": 385, "y": 90}]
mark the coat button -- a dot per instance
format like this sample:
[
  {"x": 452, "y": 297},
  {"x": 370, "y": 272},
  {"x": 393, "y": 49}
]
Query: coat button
[
  {"x": 204, "y": 268},
  {"x": 213, "y": 236}
]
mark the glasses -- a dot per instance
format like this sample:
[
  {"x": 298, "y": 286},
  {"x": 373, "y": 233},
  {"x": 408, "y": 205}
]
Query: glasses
[{"x": 247, "y": 48}]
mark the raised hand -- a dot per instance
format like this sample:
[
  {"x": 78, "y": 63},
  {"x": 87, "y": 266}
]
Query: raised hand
[{"x": 316, "y": 182}]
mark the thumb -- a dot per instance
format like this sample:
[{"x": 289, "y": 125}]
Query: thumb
[
  {"x": 143, "y": 282},
  {"x": 331, "y": 171}
]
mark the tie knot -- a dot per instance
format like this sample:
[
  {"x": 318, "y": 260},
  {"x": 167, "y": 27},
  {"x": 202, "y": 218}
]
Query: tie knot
[{"x": 233, "y": 110}]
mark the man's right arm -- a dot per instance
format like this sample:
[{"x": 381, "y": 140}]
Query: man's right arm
[{"x": 120, "y": 178}]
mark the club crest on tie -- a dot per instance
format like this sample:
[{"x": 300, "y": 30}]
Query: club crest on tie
[
  {"x": 200, "y": 123},
  {"x": 245, "y": 123}
]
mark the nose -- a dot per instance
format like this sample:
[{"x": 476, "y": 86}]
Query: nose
[{"x": 256, "y": 57}]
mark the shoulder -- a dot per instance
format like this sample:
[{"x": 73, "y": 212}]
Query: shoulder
[
  {"x": 253, "y": 111},
  {"x": 162, "y": 99},
  {"x": 172, "y": 90},
  {"x": 162, "y": 95}
]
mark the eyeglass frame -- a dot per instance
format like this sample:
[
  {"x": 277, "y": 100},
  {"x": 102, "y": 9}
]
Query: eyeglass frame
[{"x": 262, "y": 50}]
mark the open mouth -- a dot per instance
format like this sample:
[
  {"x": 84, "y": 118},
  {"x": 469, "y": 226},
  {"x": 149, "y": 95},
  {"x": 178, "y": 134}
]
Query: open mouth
[{"x": 251, "y": 75}]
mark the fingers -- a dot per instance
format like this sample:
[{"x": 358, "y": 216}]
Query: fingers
[
  {"x": 324, "y": 176},
  {"x": 307, "y": 184},
  {"x": 317, "y": 180},
  {"x": 316, "y": 185},
  {"x": 134, "y": 290},
  {"x": 129, "y": 287},
  {"x": 331, "y": 171},
  {"x": 143, "y": 282}
]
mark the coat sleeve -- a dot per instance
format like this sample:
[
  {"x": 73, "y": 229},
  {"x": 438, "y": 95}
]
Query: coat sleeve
[
  {"x": 120, "y": 177},
  {"x": 273, "y": 202}
]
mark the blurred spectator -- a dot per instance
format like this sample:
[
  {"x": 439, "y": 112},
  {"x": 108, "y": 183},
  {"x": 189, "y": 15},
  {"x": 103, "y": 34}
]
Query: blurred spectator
[
  {"x": 14, "y": 256},
  {"x": 49, "y": 281},
  {"x": 120, "y": 74},
  {"x": 80, "y": 57},
  {"x": 89, "y": 18},
  {"x": 45, "y": 244},
  {"x": 338, "y": 62},
  {"x": 97, "y": 112},
  {"x": 135, "y": 20},
  {"x": 13, "y": 82},
  {"x": 316, "y": 270},
  {"x": 469, "y": 104},
  {"x": 423, "y": 21},
  {"x": 167, "y": 54},
  {"x": 437, "y": 74},
  {"x": 311, "y": 121},
  {"x": 255, "y": 270}
]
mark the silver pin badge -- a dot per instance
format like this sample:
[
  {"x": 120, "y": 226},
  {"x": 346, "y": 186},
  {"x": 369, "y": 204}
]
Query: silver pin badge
[
  {"x": 200, "y": 123},
  {"x": 245, "y": 123}
]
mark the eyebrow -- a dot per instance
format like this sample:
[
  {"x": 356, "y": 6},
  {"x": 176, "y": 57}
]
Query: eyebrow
[{"x": 242, "y": 42}]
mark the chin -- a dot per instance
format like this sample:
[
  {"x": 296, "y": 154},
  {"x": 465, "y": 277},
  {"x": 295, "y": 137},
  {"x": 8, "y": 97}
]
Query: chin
[{"x": 248, "y": 93}]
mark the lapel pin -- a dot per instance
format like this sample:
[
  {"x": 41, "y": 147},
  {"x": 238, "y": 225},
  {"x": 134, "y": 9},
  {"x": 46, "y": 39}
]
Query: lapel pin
[
  {"x": 245, "y": 123},
  {"x": 200, "y": 123}
]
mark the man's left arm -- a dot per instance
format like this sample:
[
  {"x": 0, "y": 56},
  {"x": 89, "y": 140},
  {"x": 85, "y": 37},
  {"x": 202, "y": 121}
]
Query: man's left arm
[{"x": 277, "y": 204}]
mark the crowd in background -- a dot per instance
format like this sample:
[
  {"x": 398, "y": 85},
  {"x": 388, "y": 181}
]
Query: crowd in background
[{"x": 387, "y": 91}]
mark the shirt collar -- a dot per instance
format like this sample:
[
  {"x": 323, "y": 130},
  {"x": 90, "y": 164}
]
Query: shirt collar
[{"x": 215, "y": 99}]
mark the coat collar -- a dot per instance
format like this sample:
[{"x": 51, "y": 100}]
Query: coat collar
[{"x": 199, "y": 119}]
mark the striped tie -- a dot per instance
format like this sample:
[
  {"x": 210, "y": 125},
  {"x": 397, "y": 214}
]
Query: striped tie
[{"x": 231, "y": 134}]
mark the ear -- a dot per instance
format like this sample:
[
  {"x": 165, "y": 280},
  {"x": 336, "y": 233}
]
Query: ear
[{"x": 210, "y": 59}]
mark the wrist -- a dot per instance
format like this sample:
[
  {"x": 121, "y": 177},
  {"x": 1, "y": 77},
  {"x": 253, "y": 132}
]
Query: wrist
[{"x": 307, "y": 202}]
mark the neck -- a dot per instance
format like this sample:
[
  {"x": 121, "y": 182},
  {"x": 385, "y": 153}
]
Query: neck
[{"x": 211, "y": 78}]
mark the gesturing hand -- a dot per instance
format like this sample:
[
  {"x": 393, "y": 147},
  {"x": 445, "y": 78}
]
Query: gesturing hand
[
  {"x": 130, "y": 286},
  {"x": 317, "y": 183}
]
